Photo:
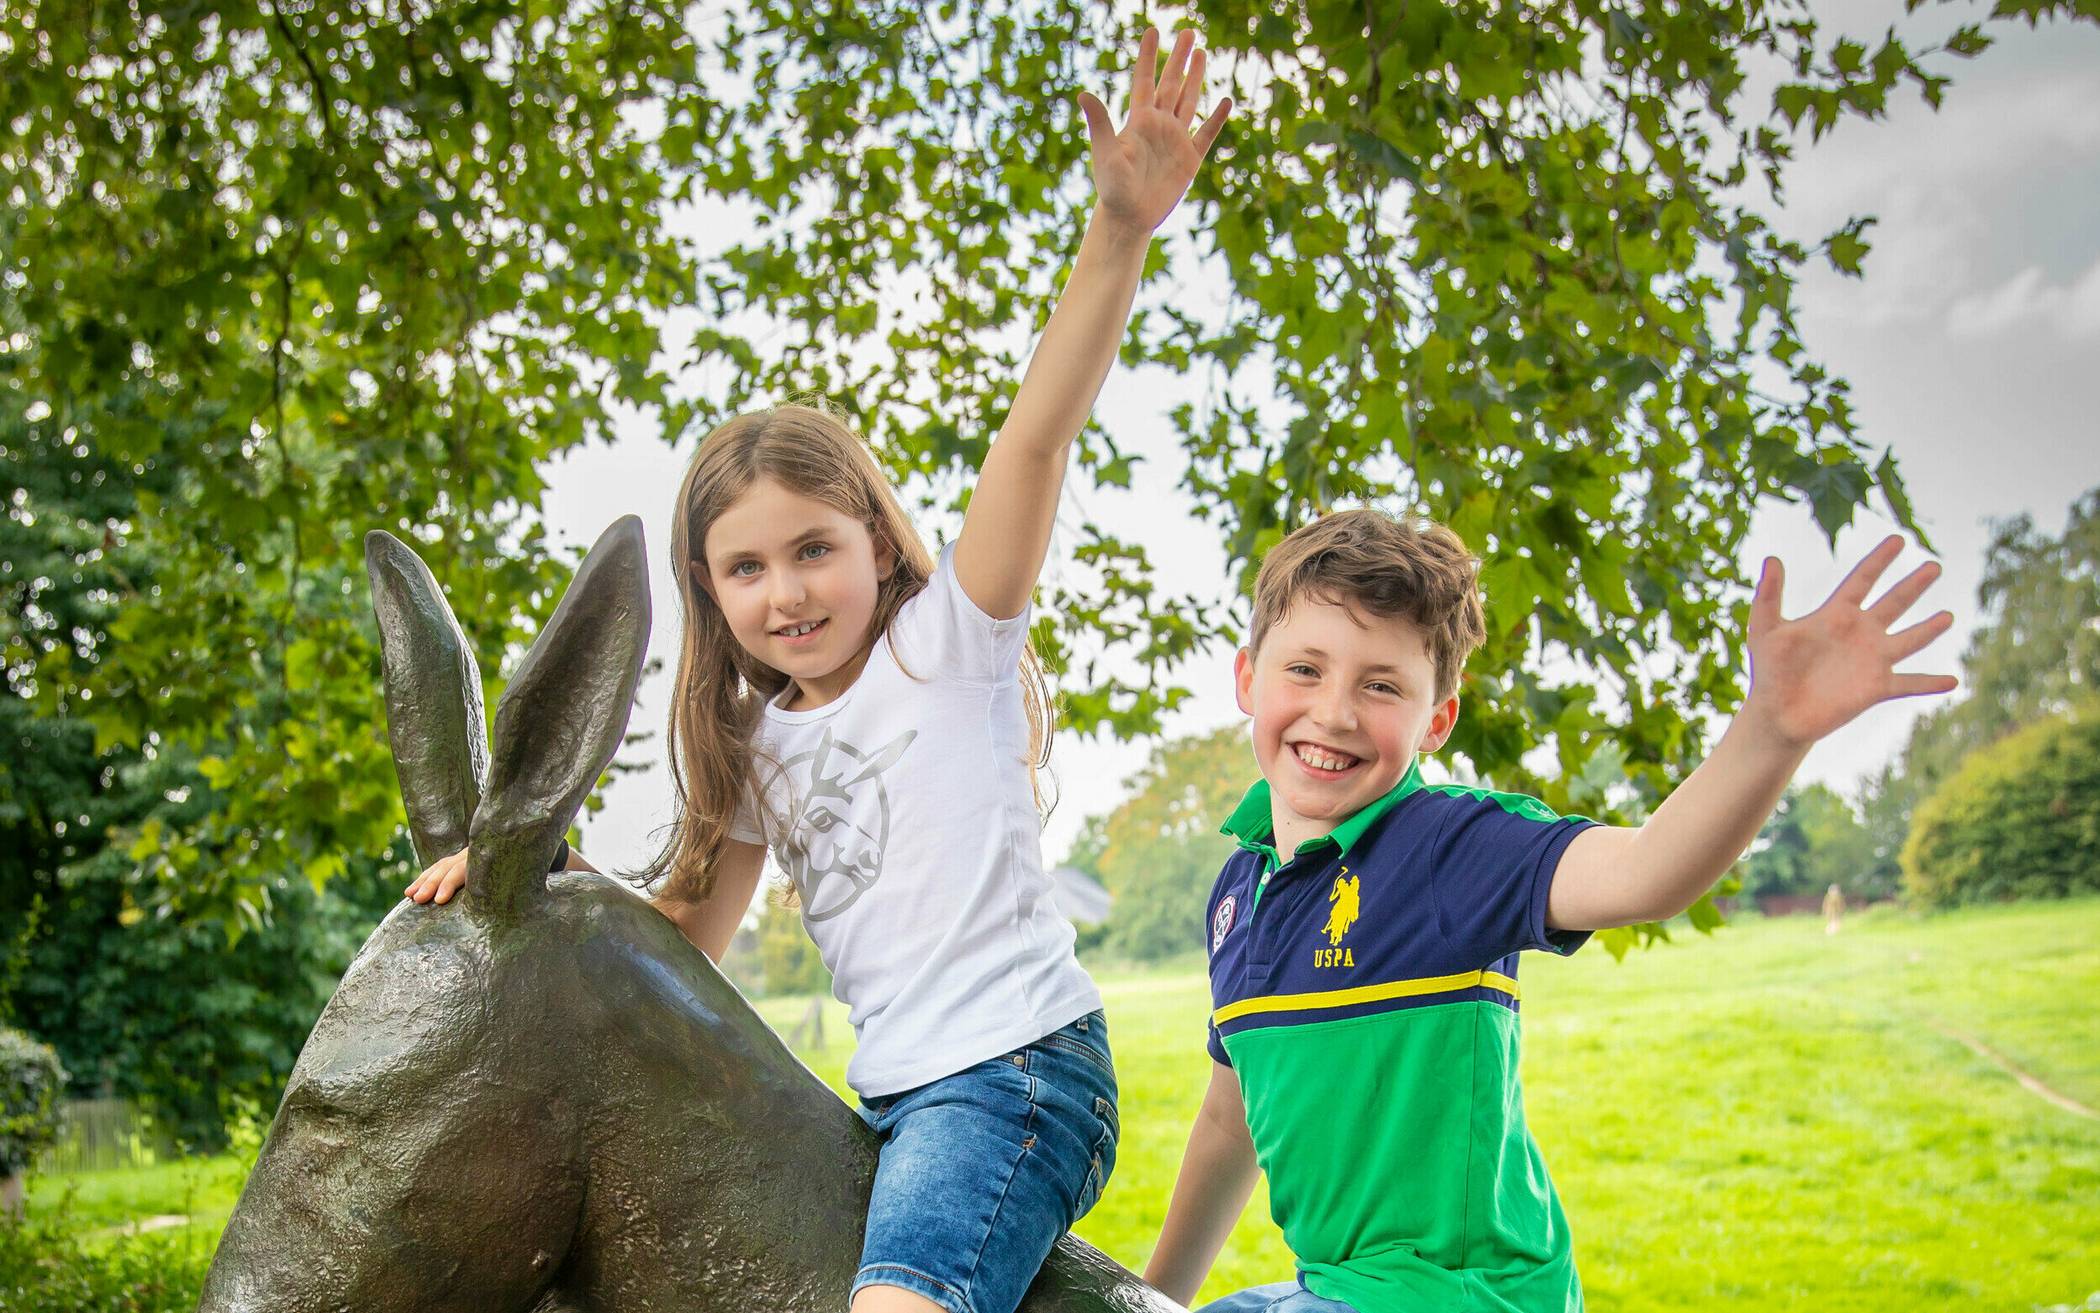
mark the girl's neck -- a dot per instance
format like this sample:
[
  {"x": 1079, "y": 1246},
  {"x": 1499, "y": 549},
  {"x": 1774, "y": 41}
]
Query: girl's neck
[{"x": 823, "y": 690}]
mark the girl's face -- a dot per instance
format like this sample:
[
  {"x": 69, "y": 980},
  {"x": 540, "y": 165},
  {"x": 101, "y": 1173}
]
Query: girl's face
[{"x": 797, "y": 580}]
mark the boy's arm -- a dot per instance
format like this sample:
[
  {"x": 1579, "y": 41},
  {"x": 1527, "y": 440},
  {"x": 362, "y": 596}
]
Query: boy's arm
[
  {"x": 1140, "y": 174},
  {"x": 1218, "y": 1172},
  {"x": 1807, "y": 678}
]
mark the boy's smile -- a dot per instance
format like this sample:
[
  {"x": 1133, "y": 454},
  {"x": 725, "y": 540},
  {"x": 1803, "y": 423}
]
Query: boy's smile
[{"x": 1342, "y": 700}]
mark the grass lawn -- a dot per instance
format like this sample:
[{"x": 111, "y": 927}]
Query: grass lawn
[{"x": 1766, "y": 1118}]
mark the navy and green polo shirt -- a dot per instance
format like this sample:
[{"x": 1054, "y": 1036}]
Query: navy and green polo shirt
[{"x": 1365, "y": 991}]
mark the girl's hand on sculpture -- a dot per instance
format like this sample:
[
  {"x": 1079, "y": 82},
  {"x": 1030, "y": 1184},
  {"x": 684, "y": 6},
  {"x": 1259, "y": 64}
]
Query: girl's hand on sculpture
[{"x": 444, "y": 877}]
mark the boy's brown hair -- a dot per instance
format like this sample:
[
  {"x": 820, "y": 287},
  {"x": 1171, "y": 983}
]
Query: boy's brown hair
[{"x": 1366, "y": 559}]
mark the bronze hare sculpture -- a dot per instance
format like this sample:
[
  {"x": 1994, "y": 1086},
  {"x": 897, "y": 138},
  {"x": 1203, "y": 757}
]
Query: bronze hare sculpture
[{"x": 541, "y": 1097}]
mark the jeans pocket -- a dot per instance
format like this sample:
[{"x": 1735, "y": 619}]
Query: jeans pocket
[{"x": 1102, "y": 1163}]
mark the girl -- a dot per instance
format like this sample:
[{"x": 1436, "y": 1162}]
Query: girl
[{"x": 872, "y": 716}]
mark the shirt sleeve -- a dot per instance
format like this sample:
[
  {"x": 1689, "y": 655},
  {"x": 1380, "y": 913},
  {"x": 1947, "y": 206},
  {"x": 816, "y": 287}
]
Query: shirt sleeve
[
  {"x": 1495, "y": 859},
  {"x": 743, "y": 826},
  {"x": 746, "y": 825},
  {"x": 940, "y": 631}
]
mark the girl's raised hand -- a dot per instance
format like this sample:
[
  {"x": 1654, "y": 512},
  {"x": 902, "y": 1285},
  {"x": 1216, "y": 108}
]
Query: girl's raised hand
[{"x": 1142, "y": 171}]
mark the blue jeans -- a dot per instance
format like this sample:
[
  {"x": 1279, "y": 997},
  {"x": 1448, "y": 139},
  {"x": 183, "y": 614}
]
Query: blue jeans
[
  {"x": 982, "y": 1171},
  {"x": 1284, "y": 1297}
]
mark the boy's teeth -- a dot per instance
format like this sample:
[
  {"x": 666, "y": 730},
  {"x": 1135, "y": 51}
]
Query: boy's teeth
[{"x": 1323, "y": 760}]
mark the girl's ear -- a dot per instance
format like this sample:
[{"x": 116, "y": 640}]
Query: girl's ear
[
  {"x": 698, "y": 571},
  {"x": 885, "y": 557}
]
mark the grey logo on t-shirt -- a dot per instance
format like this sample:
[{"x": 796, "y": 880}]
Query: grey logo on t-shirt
[{"x": 840, "y": 824}]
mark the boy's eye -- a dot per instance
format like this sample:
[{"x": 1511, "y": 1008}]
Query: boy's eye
[
  {"x": 1380, "y": 686},
  {"x": 1300, "y": 668}
]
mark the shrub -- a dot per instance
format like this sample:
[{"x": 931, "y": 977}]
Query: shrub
[
  {"x": 30, "y": 1081},
  {"x": 2020, "y": 818},
  {"x": 47, "y": 1266}
]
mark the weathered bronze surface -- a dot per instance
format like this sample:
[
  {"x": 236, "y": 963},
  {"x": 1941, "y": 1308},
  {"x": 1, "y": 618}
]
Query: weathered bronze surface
[{"x": 540, "y": 1097}]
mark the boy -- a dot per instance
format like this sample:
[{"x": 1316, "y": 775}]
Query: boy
[{"x": 1363, "y": 938}]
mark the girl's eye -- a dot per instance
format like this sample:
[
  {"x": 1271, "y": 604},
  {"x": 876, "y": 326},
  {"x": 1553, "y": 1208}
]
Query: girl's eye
[
  {"x": 743, "y": 569},
  {"x": 811, "y": 551}
]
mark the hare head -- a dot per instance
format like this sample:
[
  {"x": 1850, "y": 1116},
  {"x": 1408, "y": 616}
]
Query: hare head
[{"x": 426, "y": 1153}]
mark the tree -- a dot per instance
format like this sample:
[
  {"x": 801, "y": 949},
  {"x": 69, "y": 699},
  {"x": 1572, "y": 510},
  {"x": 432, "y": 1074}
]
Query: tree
[
  {"x": 1158, "y": 853},
  {"x": 271, "y": 276},
  {"x": 1499, "y": 264},
  {"x": 2034, "y": 654},
  {"x": 1814, "y": 840},
  {"x": 274, "y": 275},
  {"x": 787, "y": 958},
  {"x": 2019, "y": 819}
]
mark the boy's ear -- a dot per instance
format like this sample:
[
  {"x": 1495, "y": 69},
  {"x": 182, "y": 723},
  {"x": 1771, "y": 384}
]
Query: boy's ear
[
  {"x": 1243, "y": 680},
  {"x": 1440, "y": 725}
]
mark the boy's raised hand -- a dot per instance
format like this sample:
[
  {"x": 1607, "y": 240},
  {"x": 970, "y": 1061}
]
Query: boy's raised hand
[
  {"x": 1810, "y": 676},
  {"x": 1142, "y": 171}
]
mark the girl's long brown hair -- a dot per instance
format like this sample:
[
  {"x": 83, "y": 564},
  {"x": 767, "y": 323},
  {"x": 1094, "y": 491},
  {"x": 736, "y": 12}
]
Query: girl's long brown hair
[{"x": 721, "y": 689}]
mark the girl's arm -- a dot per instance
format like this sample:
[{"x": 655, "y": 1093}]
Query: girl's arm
[
  {"x": 1218, "y": 1172},
  {"x": 1140, "y": 174},
  {"x": 711, "y": 922}
]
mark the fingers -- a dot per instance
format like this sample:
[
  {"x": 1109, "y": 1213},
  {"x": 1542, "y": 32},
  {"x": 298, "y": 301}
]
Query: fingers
[
  {"x": 1101, "y": 133},
  {"x": 1144, "y": 75},
  {"x": 1852, "y": 591},
  {"x": 1911, "y": 686},
  {"x": 1175, "y": 75},
  {"x": 1764, "y": 603},
  {"x": 1191, "y": 89},
  {"x": 1904, "y": 594},
  {"x": 442, "y": 879},
  {"x": 1909, "y": 642},
  {"x": 1208, "y": 132}
]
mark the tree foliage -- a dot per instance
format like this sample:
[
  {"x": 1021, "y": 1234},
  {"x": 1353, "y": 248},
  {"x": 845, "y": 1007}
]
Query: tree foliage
[
  {"x": 2019, "y": 819},
  {"x": 1505, "y": 265},
  {"x": 788, "y": 962},
  {"x": 2034, "y": 654},
  {"x": 31, "y": 1078},
  {"x": 1814, "y": 840},
  {"x": 271, "y": 276},
  {"x": 1159, "y": 851},
  {"x": 274, "y": 275}
]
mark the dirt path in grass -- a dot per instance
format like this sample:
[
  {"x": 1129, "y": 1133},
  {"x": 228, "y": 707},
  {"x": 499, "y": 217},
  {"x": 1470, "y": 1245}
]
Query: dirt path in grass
[{"x": 2028, "y": 1081}]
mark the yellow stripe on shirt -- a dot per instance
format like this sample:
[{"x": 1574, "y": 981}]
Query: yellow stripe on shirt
[{"x": 1342, "y": 998}]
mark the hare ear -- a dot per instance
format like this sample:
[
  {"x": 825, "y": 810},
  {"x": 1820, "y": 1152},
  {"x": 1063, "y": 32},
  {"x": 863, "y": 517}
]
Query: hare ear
[
  {"x": 560, "y": 721},
  {"x": 434, "y": 719}
]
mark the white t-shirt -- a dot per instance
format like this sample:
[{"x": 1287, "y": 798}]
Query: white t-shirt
[{"x": 902, "y": 811}]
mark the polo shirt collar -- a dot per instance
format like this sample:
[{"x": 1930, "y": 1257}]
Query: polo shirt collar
[{"x": 1253, "y": 823}]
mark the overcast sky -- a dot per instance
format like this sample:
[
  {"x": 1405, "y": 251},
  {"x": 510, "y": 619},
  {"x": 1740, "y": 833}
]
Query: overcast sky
[{"x": 1972, "y": 346}]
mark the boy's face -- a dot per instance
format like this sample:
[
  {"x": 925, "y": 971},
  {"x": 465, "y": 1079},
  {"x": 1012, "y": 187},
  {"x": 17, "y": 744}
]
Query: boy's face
[{"x": 1342, "y": 701}]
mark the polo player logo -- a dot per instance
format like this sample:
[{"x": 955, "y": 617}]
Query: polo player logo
[
  {"x": 839, "y": 826},
  {"x": 1343, "y": 896}
]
